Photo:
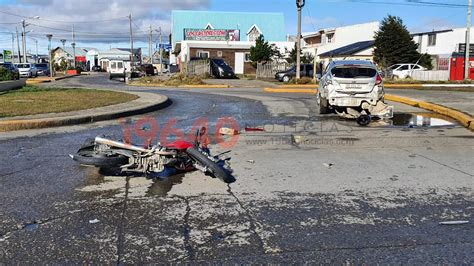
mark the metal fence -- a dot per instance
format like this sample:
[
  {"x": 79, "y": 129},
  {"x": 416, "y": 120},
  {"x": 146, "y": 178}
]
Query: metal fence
[
  {"x": 268, "y": 70},
  {"x": 197, "y": 67},
  {"x": 431, "y": 75}
]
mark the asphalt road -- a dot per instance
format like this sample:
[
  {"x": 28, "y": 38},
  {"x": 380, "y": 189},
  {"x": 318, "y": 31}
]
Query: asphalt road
[{"x": 310, "y": 188}]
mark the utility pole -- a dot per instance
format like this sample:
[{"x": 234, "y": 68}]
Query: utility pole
[
  {"x": 23, "y": 38},
  {"x": 18, "y": 44},
  {"x": 150, "y": 38},
  {"x": 299, "y": 5},
  {"x": 161, "y": 52},
  {"x": 468, "y": 40},
  {"x": 49, "y": 36},
  {"x": 131, "y": 42},
  {"x": 315, "y": 72},
  {"x": 74, "y": 45},
  {"x": 13, "y": 47}
]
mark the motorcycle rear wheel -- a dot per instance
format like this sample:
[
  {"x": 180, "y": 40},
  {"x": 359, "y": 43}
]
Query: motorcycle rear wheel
[
  {"x": 88, "y": 156},
  {"x": 214, "y": 169}
]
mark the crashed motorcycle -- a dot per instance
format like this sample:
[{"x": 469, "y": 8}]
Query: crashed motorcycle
[{"x": 158, "y": 161}]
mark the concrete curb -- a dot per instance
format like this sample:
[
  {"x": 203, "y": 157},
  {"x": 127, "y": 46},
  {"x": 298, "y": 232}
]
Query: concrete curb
[
  {"x": 205, "y": 86},
  {"x": 291, "y": 90},
  {"x": 92, "y": 116},
  {"x": 424, "y": 85},
  {"x": 464, "y": 119},
  {"x": 12, "y": 85},
  {"x": 48, "y": 79},
  {"x": 298, "y": 86}
]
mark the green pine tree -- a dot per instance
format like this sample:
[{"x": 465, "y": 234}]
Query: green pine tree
[
  {"x": 262, "y": 52},
  {"x": 394, "y": 45},
  {"x": 306, "y": 58}
]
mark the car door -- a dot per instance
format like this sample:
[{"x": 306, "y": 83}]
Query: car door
[{"x": 403, "y": 71}]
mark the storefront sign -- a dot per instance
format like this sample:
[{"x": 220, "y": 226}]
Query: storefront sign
[
  {"x": 7, "y": 56},
  {"x": 211, "y": 35}
]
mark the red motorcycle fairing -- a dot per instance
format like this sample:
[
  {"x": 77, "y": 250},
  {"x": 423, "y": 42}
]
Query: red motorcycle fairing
[{"x": 179, "y": 145}]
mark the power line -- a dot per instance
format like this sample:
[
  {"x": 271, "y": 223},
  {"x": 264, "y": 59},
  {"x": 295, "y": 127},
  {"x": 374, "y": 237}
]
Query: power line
[
  {"x": 410, "y": 3},
  {"x": 67, "y": 22}
]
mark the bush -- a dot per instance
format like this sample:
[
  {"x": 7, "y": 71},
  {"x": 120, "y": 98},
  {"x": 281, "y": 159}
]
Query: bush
[
  {"x": 6, "y": 74},
  {"x": 181, "y": 79}
]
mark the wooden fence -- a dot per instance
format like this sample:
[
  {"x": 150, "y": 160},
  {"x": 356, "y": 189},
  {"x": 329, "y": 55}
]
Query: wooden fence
[{"x": 269, "y": 70}]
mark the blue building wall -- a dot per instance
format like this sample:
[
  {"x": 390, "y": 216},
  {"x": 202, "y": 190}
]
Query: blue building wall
[{"x": 272, "y": 25}]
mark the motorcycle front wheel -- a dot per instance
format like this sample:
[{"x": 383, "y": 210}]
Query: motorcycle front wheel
[
  {"x": 214, "y": 169},
  {"x": 88, "y": 156}
]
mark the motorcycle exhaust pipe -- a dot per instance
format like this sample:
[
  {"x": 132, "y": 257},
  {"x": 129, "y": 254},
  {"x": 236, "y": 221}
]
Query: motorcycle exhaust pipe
[{"x": 120, "y": 145}]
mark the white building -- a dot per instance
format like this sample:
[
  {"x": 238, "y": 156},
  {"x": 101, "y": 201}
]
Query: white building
[
  {"x": 326, "y": 40},
  {"x": 442, "y": 44}
]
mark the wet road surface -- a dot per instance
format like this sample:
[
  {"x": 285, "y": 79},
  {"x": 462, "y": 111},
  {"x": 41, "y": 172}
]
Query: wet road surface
[{"x": 309, "y": 189}]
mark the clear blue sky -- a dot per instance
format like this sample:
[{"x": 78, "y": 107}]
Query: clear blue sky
[{"x": 316, "y": 14}]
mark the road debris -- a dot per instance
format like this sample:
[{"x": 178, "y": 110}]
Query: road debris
[
  {"x": 228, "y": 131},
  {"x": 328, "y": 165},
  {"x": 94, "y": 221},
  {"x": 454, "y": 222},
  {"x": 251, "y": 161}
]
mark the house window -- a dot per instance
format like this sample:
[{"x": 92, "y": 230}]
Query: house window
[
  {"x": 203, "y": 54},
  {"x": 431, "y": 39},
  {"x": 253, "y": 33},
  {"x": 247, "y": 57},
  {"x": 330, "y": 38},
  {"x": 219, "y": 53}
]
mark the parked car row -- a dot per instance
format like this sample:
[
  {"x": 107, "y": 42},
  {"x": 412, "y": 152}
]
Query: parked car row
[{"x": 27, "y": 70}]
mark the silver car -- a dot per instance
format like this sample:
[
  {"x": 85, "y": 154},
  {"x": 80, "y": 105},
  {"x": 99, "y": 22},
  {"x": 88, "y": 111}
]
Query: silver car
[
  {"x": 352, "y": 88},
  {"x": 27, "y": 70}
]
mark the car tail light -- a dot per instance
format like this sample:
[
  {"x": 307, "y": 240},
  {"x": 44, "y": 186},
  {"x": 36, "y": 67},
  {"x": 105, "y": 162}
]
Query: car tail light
[{"x": 379, "y": 80}]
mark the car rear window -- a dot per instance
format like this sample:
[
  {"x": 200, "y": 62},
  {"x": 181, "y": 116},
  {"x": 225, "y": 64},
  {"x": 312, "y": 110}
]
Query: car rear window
[
  {"x": 24, "y": 66},
  {"x": 353, "y": 72},
  {"x": 41, "y": 65}
]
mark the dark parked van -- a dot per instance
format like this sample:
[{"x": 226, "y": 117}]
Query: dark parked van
[{"x": 306, "y": 70}]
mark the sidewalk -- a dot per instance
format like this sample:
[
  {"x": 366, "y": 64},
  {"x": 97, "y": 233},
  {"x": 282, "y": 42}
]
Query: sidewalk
[{"x": 146, "y": 103}]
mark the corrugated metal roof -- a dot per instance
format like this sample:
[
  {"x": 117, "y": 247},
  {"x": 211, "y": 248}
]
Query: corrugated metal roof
[
  {"x": 349, "y": 49},
  {"x": 272, "y": 25}
]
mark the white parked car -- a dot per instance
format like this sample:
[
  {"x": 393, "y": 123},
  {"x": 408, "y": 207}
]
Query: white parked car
[
  {"x": 353, "y": 89},
  {"x": 403, "y": 71},
  {"x": 27, "y": 70}
]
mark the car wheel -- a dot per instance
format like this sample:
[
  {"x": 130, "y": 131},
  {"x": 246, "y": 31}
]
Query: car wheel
[
  {"x": 323, "y": 105},
  {"x": 286, "y": 78}
]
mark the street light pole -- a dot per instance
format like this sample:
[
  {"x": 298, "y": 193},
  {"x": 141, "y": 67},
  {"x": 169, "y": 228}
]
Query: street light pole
[
  {"x": 468, "y": 39},
  {"x": 49, "y": 36},
  {"x": 299, "y": 5},
  {"x": 18, "y": 44}
]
